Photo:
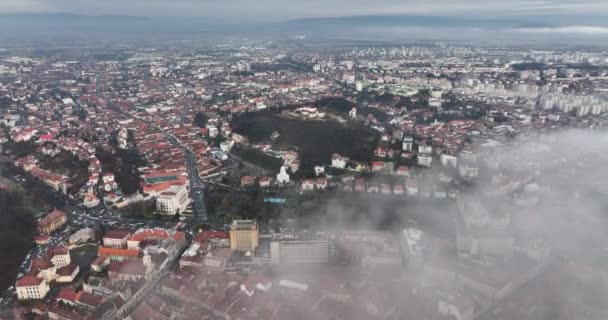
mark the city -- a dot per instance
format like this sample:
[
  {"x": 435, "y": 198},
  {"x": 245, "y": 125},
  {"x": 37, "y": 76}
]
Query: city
[{"x": 297, "y": 178}]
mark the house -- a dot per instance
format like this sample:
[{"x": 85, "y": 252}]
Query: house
[
  {"x": 385, "y": 189},
  {"x": 264, "y": 182},
  {"x": 294, "y": 165},
  {"x": 360, "y": 185},
  {"x": 377, "y": 166},
  {"x": 321, "y": 183},
  {"x": 352, "y": 113},
  {"x": 319, "y": 170},
  {"x": 380, "y": 152},
  {"x": 411, "y": 188},
  {"x": 398, "y": 189},
  {"x": 247, "y": 181},
  {"x": 424, "y": 160},
  {"x": 403, "y": 171},
  {"x": 308, "y": 185},
  {"x": 337, "y": 161},
  {"x": 372, "y": 187},
  {"x": 290, "y": 156}
]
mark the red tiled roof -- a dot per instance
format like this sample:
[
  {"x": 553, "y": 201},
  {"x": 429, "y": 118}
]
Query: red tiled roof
[
  {"x": 116, "y": 234},
  {"x": 68, "y": 294},
  {"x": 28, "y": 281},
  {"x": 103, "y": 251},
  {"x": 67, "y": 270}
]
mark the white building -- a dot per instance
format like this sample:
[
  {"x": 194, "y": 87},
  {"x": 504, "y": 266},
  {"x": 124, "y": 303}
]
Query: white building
[
  {"x": 426, "y": 149},
  {"x": 352, "y": 113},
  {"x": 319, "y": 170},
  {"x": 60, "y": 257},
  {"x": 338, "y": 161},
  {"x": 283, "y": 177},
  {"x": 299, "y": 252},
  {"x": 30, "y": 287},
  {"x": 174, "y": 200},
  {"x": 424, "y": 160},
  {"x": 412, "y": 243},
  {"x": 359, "y": 86},
  {"x": 408, "y": 143},
  {"x": 448, "y": 160}
]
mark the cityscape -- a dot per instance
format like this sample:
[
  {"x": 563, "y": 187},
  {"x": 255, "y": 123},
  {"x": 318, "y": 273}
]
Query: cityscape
[{"x": 291, "y": 174}]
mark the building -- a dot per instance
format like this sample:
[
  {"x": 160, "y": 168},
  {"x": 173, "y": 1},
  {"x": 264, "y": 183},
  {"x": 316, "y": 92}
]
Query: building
[
  {"x": 448, "y": 160},
  {"x": 116, "y": 239},
  {"x": 424, "y": 160},
  {"x": 244, "y": 235},
  {"x": 30, "y": 288},
  {"x": 67, "y": 274},
  {"x": 52, "y": 221},
  {"x": 118, "y": 254},
  {"x": 412, "y": 242},
  {"x": 283, "y": 177},
  {"x": 59, "y": 256},
  {"x": 338, "y": 161},
  {"x": 299, "y": 252},
  {"x": 56, "y": 181},
  {"x": 408, "y": 143},
  {"x": 82, "y": 236},
  {"x": 173, "y": 200}
]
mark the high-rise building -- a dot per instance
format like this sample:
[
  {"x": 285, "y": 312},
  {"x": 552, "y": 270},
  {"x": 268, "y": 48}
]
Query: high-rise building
[
  {"x": 244, "y": 235},
  {"x": 299, "y": 252}
]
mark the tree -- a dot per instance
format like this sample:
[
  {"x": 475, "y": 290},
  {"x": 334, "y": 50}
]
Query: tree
[{"x": 200, "y": 119}]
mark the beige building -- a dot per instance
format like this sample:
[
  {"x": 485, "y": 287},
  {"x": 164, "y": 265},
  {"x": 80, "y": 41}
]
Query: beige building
[
  {"x": 30, "y": 287},
  {"x": 174, "y": 200},
  {"x": 244, "y": 235}
]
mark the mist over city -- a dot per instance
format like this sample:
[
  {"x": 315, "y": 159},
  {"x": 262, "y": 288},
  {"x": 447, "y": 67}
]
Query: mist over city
[{"x": 384, "y": 160}]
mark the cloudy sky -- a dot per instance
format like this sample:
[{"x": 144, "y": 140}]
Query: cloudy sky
[{"x": 289, "y": 9}]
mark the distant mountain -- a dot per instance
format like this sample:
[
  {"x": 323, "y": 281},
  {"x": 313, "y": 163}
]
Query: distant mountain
[{"x": 404, "y": 21}]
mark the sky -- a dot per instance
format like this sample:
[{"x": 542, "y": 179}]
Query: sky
[{"x": 278, "y": 10}]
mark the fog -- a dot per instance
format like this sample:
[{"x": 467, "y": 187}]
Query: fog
[{"x": 552, "y": 187}]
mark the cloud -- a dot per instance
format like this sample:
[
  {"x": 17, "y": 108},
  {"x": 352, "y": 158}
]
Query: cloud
[
  {"x": 288, "y": 9},
  {"x": 588, "y": 30}
]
